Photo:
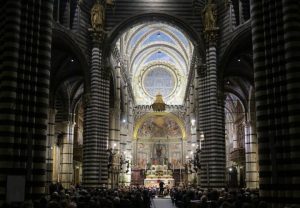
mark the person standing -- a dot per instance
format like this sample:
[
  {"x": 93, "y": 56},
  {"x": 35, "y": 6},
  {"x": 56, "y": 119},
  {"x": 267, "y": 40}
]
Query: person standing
[{"x": 161, "y": 187}]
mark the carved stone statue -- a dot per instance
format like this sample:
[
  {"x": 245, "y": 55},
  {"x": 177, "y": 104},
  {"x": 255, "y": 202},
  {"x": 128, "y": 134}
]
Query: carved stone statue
[
  {"x": 97, "y": 16},
  {"x": 209, "y": 13}
]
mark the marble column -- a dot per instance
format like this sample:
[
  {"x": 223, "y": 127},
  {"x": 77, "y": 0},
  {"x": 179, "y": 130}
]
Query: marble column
[
  {"x": 50, "y": 143},
  {"x": 96, "y": 119},
  {"x": 251, "y": 156},
  {"x": 66, "y": 171},
  {"x": 211, "y": 123}
]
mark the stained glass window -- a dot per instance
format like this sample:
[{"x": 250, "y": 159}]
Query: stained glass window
[{"x": 159, "y": 80}]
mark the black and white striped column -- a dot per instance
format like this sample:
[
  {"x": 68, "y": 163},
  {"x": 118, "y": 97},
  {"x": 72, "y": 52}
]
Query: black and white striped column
[
  {"x": 96, "y": 122},
  {"x": 66, "y": 155},
  {"x": 251, "y": 156},
  {"x": 276, "y": 46},
  {"x": 211, "y": 123},
  {"x": 25, "y": 54},
  {"x": 50, "y": 146}
]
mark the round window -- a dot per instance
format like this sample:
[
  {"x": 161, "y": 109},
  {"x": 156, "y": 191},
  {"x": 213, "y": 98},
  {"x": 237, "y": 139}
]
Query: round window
[{"x": 159, "y": 80}]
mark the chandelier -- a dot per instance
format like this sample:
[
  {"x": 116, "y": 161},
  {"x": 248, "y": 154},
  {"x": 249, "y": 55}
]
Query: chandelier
[{"x": 159, "y": 104}]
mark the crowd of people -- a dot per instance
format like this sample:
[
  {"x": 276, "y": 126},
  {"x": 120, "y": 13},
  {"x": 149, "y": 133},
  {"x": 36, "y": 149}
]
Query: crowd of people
[
  {"x": 78, "y": 197},
  {"x": 141, "y": 197},
  {"x": 200, "y": 198}
]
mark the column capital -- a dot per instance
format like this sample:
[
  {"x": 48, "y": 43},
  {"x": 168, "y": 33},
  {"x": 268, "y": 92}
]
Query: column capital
[
  {"x": 86, "y": 97},
  {"x": 202, "y": 70},
  {"x": 97, "y": 36},
  {"x": 211, "y": 35},
  {"x": 52, "y": 111},
  {"x": 69, "y": 123},
  {"x": 247, "y": 124}
]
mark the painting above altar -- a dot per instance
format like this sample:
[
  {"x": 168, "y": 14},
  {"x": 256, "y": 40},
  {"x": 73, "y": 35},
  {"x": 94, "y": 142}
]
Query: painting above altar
[
  {"x": 159, "y": 142},
  {"x": 159, "y": 126}
]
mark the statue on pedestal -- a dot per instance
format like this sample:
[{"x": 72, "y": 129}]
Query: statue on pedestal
[
  {"x": 209, "y": 14},
  {"x": 97, "y": 16}
]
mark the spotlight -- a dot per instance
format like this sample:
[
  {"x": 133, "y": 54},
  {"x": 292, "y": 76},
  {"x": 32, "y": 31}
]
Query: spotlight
[
  {"x": 193, "y": 122},
  {"x": 72, "y": 60},
  {"x": 230, "y": 169}
]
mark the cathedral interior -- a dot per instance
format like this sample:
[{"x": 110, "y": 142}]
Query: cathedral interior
[{"x": 111, "y": 93}]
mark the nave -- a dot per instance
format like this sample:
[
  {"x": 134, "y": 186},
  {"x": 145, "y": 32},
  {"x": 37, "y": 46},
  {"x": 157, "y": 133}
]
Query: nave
[{"x": 104, "y": 94}]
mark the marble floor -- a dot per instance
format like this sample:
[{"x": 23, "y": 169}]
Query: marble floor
[{"x": 162, "y": 203}]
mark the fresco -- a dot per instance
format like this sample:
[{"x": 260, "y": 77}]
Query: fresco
[
  {"x": 175, "y": 155},
  {"x": 142, "y": 155},
  {"x": 159, "y": 126}
]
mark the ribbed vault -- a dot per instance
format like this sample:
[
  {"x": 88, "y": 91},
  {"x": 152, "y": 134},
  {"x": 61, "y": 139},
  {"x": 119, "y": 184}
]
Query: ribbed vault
[{"x": 158, "y": 59}]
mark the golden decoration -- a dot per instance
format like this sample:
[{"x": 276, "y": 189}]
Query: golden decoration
[{"x": 159, "y": 104}]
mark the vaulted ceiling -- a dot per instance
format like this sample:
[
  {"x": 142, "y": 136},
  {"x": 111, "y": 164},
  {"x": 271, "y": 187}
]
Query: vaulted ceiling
[{"x": 158, "y": 58}]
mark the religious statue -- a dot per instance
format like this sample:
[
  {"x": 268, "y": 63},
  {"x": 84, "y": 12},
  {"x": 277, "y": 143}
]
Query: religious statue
[
  {"x": 97, "y": 16},
  {"x": 169, "y": 166},
  {"x": 111, "y": 157},
  {"x": 196, "y": 161},
  {"x": 148, "y": 166},
  {"x": 209, "y": 13},
  {"x": 110, "y": 2},
  {"x": 158, "y": 151}
]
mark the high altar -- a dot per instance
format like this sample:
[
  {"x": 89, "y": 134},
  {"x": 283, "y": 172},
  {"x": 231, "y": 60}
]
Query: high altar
[
  {"x": 158, "y": 173},
  {"x": 158, "y": 149}
]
